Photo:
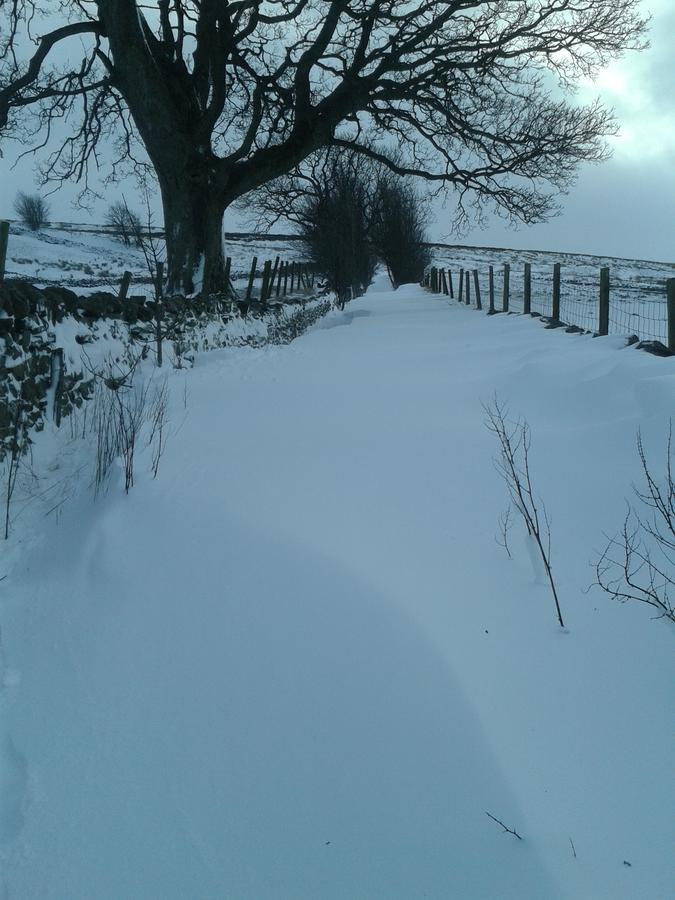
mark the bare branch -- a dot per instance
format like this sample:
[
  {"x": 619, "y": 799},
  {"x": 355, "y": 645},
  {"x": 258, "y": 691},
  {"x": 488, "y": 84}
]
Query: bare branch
[
  {"x": 505, "y": 827},
  {"x": 513, "y": 464}
]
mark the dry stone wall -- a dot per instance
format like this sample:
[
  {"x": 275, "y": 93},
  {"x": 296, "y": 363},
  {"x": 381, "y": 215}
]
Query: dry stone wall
[{"x": 38, "y": 384}]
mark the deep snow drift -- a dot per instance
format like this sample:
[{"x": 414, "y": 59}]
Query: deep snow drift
[{"x": 297, "y": 665}]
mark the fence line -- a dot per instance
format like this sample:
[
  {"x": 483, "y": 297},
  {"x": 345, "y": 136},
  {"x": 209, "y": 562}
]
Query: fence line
[
  {"x": 600, "y": 308},
  {"x": 274, "y": 275}
]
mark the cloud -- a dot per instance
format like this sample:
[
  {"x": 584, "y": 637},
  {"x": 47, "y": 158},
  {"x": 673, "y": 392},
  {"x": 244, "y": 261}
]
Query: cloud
[{"x": 641, "y": 89}]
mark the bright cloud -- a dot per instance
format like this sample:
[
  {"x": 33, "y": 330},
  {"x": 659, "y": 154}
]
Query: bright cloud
[{"x": 641, "y": 89}]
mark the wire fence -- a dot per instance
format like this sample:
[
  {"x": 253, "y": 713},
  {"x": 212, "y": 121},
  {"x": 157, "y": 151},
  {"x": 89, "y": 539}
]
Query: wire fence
[{"x": 597, "y": 305}]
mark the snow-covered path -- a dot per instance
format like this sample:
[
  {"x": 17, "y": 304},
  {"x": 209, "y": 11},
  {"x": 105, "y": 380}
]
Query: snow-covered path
[{"x": 298, "y": 666}]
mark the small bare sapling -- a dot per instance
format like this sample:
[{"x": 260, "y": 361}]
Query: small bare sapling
[
  {"x": 513, "y": 464},
  {"x": 638, "y": 563},
  {"x": 158, "y": 425},
  {"x": 120, "y": 415}
]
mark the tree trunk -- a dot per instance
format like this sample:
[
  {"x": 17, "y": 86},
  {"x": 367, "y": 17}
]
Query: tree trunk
[{"x": 193, "y": 222}]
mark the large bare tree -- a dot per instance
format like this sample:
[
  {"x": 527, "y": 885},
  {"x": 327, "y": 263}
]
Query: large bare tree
[{"x": 225, "y": 96}]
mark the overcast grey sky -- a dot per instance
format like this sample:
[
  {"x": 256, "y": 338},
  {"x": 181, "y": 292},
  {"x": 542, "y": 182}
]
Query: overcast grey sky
[{"x": 624, "y": 207}]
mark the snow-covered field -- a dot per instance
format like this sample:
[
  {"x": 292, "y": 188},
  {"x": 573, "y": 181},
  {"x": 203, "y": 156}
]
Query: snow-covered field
[
  {"x": 637, "y": 287},
  {"x": 92, "y": 260},
  {"x": 297, "y": 665}
]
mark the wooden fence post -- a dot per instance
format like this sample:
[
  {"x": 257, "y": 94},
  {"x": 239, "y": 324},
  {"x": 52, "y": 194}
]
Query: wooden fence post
[
  {"x": 285, "y": 278},
  {"x": 603, "y": 308},
  {"x": 57, "y": 368},
  {"x": 452, "y": 290},
  {"x": 292, "y": 275},
  {"x": 670, "y": 292},
  {"x": 444, "y": 282},
  {"x": 555, "y": 313},
  {"x": 4, "y": 240},
  {"x": 467, "y": 288},
  {"x": 476, "y": 285},
  {"x": 249, "y": 289},
  {"x": 491, "y": 287},
  {"x": 460, "y": 298},
  {"x": 507, "y": 288},
  {"x": 273, "y": 277},
  {"x": 267, "y": 268},
  {"x": 527, "y": 289},
  {"x": 228, "y": 270},
  {"x": 279, "y": 277},
  {"x": 124, "y": 286}
]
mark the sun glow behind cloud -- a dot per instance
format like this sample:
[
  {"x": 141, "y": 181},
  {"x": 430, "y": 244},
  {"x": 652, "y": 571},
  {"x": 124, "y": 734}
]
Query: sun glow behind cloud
[{"x": 641, "y": 90}]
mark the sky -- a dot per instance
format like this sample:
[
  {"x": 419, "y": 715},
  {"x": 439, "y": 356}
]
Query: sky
[{"x": 623, "y": 207}]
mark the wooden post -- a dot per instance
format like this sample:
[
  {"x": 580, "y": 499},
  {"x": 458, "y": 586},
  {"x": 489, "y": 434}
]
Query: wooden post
[
  {"x": 228, "y": 270},
  {"x": 460, "y": 298},
  {"x": 444, "y": 282},
  {"x": 527, "y": 289},
  {"x": 267, "y": 268},
  {"x": 273, "y": 277},
  {"x": 507, "y": 288},
  {"x": 670, "y": 292},
  {"x": 555, "y": 314},
  {"x": 467, "y": 287},
  {"x": 476, "y": 285},
  {"x": 285, "y": 278},
  {"x": 491, "y": 284},
  {"x": 292, "y": 275},
  {"x": 249, "y": 289},
  {"x": 124, "y": 287},
  {"x": 57, "y": 383},
  {"x": 452, "y": 291},
  {"x": 279, "y": 277},
  {"x": 4, "y": 240},
  {"x": 603, "y": 310}
]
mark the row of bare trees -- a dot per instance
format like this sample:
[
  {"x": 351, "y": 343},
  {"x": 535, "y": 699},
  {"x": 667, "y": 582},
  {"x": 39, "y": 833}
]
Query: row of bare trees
[
  {"x": 211, "y": 99},
  {"x": 351, "y": 215}
]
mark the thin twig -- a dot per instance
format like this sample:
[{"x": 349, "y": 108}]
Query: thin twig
[{"x": 505, "y": 827}]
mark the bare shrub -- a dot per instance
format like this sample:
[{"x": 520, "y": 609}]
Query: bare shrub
[
  {"x": 398, "y": 229},
  {"x": 335, "y": 228},
  {"x": 125, "y": 223},
  {"x": 103, "y": 424},
  {"x": 119, "y": 416},
  {"x": 329, "y": 200},
  {"x": 32, "y": 210},
  {"x": 513, "y": 465},
  {"x": 158, "y": 425},
  {"x": 131, "y": 414},
  {"x": 638, "y": 563}
]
